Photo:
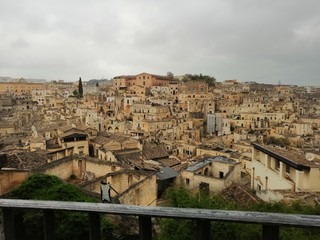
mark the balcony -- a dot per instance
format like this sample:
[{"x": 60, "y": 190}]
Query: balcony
[{"x": 270, "y": 221}]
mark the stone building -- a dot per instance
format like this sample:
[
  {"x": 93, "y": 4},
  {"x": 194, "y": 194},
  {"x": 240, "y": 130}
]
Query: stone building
[
  {"x": 73, "y": 141},
  {"x": 127, "y": 187},
  {"x": 142, "y": 79},
  {"x": 277, "y": 171},
  {"x": 210, "y": 174},
  {"x": 103, "y": 143},
  {"x": 21, "y": 87}
]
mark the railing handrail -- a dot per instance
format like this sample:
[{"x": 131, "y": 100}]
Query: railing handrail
[{"x": 169, "y": 212}]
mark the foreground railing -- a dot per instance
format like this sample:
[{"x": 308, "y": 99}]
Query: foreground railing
[{"x": 270, "y": 221}]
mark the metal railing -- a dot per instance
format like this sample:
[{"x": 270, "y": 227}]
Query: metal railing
[{"x": 270, "y": 221}]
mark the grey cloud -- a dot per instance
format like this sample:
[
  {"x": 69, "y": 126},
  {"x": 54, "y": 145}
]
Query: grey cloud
[{"x": 264, "y": 41}]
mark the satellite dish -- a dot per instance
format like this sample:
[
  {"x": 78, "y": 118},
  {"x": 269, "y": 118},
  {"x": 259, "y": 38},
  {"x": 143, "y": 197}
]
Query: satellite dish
[{"x": 309, "y": 156}]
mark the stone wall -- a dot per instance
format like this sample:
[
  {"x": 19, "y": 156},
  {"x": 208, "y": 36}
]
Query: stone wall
[
  {"x": 143, "y": 193},
  {"x": 192, "y": 180},
  {"x": 10, "y": 179},
  {"x": 101, "y": 168},
  {"x": 61, "y": 168},
  {"x": 120, "y": 181}
]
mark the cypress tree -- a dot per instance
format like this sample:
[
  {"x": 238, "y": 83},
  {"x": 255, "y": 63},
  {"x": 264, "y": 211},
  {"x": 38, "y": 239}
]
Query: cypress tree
[{"x": 80, "y": 89}]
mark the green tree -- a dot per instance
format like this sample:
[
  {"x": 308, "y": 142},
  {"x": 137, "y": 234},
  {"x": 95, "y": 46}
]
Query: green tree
[
  {"x": 185, "y": 229},
  {"x": 194, "y": 77},
  {"x": 69, "y": 225},
  {"x": 75, "y": 93},
  {"x": 170, "y": 74},
  {"x": 282, "y": 142},
  {"x": 80, "y": 89}
]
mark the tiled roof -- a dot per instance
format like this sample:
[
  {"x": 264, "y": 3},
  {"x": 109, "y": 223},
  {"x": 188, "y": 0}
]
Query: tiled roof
[
  {"x": 125, "y": 76},
  {"x": 103, "y": 139},
  {"x": 290, "y": 156},
  {"x": 169, "y": 162},
  {"x": 118, "y": 138},
  {"x": 134, "y": 157},
  {"x": 127, "y": 156},
  {"x": 153, "y": 151},
  {"x": 240, "y": 195},
  {"x": 23, "y": 160},
  {"x": 100, "y": 140}
]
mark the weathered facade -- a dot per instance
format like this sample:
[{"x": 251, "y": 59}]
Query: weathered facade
[
  {"x": 210, "y": 174},
  {"x": 276, "y": 171}
]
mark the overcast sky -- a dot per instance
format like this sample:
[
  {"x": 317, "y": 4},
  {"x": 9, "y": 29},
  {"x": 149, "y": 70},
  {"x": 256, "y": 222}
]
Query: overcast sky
[{"x": 249, "y": 40}]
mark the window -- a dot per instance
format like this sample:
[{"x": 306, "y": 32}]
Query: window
[
  {"x": 277, "y": 164},
  {"x": 81, "y": 150},
  {"x": 287, "y": 169},
  {"x": 221, "y": 175},
  {"x": 187, "y": 181},
  {"x": 204, "y": 187},
  {"x": 130, "y": 178}
]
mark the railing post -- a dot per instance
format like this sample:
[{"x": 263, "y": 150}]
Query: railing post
[
  {"x": 270, "y": 232},
  {"x": 49, "y": 233},
  {"x": 94, "y": 225},
  {"x": 145, "y": 228},
  {"x": 8, "y": 224},
  {"x": 18, "y": 224},
  {"x": 203, "y": 230}
]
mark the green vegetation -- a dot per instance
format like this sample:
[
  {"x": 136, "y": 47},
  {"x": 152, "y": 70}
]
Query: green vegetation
[
  {"x": 209, "y": 80},
  {"x": 75, "y": 93},
  {"x": 184, "y": 229},
  {"x": 80, "y": 89},
  {"x": 232, "y": 128},
  {"x": 170, "y": 74},
  {"x": 69, "y": 225},
  {"x": 282, "y": 142}
]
